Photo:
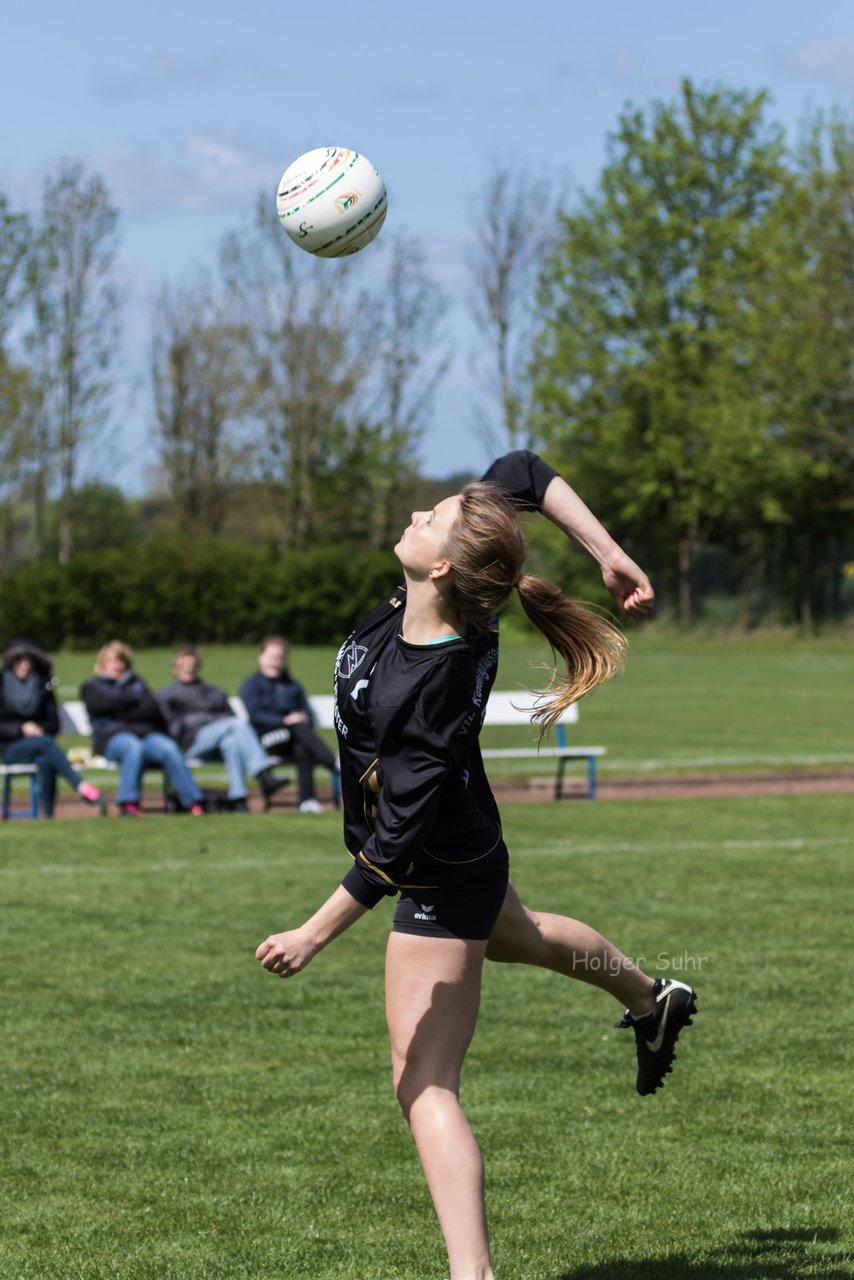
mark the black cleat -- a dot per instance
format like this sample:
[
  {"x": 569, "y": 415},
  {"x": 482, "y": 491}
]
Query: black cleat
[{"x": 656, "y": 1032}]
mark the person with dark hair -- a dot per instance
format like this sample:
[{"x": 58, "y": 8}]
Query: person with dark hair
[
  {"x": 128, "y": 728},
  {"x": 200, "y": 718},
  {"x": 420, "y": 822},
  {"x": 29, "y": 719},
  {"x": 281, "y": 715}
]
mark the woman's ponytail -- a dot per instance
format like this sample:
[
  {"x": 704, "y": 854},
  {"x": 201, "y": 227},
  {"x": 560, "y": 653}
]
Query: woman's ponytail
[
  {"x": 487, "y": 549},
  {"x": 593, "y": 649}
]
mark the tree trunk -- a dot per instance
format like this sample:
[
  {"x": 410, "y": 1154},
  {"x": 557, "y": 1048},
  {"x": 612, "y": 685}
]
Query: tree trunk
[
  {"x": 686, "y": 555},
  {"x": 806, "y": 616}
]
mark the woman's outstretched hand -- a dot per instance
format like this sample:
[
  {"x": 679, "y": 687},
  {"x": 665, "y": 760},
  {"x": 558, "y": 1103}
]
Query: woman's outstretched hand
[{"x": 629, "y": 585}]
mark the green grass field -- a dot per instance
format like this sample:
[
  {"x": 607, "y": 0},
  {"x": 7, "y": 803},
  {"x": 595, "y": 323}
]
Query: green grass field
[
  {"x": 683, "y": 703},
  {"x": 169, "y": 1110}
]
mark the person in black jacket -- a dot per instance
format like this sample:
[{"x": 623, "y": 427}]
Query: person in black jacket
[
  {"x": 29, "y": 718},
  {"x": 127, "y": 728},
  {"x": 420, "y": 821},
  {"x": 200, "y": 718},
  {"x": 281, "y": 715}
]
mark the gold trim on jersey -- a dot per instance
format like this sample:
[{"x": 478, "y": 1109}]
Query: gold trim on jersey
[
  {"x": 463, "y": 862},
  {"x": 394, "y": 884}
]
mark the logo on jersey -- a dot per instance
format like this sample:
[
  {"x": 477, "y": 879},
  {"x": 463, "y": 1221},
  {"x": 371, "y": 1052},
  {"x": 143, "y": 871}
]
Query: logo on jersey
[
  {"x": 485, "y": 668},
  {"x": 352, "y": 657},
  {"x": 424, "y": 913}
]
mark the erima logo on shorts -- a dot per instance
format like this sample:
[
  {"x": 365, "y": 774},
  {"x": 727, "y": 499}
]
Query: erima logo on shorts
[{"x": 424, "y": 913}]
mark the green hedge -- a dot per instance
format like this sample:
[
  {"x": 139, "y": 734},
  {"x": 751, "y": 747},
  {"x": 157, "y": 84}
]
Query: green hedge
[{"x": 168, "y": 592}]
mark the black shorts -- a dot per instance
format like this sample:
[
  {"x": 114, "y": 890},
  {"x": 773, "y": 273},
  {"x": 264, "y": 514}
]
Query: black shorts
[{"x": 468, "y": 910}]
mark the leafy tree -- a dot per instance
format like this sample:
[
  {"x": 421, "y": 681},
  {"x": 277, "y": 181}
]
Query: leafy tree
[
  {"x": 513, "y": 217},
  {"x": 197, "y": 385},
  {"x": 339, "y": 379},
  {"x": 813, "y": 355},
  {"x": 304, "y": 352},
  {"x": 15, "y": 234},
  {"x": 409, "y": 356},
  {"x": 104, "y": 517},
  {"x": 15, "y": 388},
  {"x": 656, "y": 303},
  {"x": 74, "y": 334}
]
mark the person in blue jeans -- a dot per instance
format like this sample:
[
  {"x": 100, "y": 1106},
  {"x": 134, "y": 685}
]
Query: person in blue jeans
[
  {"x": 200, "y": 718},
  {"x": 128, "y": 729},
  {"x": 29, "y": 718}
]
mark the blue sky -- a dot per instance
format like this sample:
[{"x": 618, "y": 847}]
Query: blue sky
[{"x": 188, "y": 110}]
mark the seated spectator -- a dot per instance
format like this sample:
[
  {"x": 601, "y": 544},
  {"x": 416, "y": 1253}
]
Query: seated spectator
[
  {"x": 128, "y": 729},
  {"x": 280, "y": 714},
  {"x": 200, "y": 719},
  {"x": 29, "y": 718}
]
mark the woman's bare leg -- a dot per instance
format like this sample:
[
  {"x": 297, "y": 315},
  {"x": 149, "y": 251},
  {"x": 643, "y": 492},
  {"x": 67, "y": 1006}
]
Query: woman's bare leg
[
  {"x": 432, "y": 1001},
  {"x": 569, "y": 947}
]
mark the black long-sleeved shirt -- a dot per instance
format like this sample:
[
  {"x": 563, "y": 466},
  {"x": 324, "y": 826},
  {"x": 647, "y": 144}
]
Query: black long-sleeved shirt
[
  {"x": 418, "y": 809},
  {"x": 125, "y": 705}
]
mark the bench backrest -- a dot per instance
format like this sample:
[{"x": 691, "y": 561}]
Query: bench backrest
[
  {"x": 74, "y": 718},
  {"x": 517, "y": 707},
  {"x": 503, "y": 708}
]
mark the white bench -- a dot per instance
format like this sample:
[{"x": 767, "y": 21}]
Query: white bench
[
  {"x": 74, "y": 719},
  {"x": 507, "y": 709},
  {"x": 502, "y": 710}
]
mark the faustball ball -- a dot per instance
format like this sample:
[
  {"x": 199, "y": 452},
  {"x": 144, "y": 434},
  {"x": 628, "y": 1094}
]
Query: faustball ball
[{"x": 331, "y": 201}]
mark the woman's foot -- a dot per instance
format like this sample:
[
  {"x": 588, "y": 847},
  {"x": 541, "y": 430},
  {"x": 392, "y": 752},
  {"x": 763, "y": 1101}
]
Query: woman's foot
[
  {"x": 89, "y": 794},
  {"x": 130, "y": 809}
]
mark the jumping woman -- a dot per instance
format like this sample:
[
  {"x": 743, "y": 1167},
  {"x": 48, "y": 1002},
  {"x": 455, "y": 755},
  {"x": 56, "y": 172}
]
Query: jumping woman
[{"x": 420, "y": 821}]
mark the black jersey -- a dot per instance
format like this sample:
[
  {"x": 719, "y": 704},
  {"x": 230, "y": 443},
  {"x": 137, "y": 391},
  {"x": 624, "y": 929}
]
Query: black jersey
[{"x": 418, "y": 809}]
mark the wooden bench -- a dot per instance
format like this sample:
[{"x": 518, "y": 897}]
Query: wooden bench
[{"x": 503, "y": 710}]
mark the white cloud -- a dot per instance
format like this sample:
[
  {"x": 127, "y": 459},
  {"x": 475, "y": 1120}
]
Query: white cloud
[
  {"x": 830, "y": 60},
  {"x": 209, "y": 173},
  {"x": 165, "y": 72}
]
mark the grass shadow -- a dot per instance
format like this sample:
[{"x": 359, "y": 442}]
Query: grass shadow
[{"x": 755, "y": 1255}]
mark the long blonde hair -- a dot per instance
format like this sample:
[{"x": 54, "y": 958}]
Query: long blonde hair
[{"x": 487, "y": 549}]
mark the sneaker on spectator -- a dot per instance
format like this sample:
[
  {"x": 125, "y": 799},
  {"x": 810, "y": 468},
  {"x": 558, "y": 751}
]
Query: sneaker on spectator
[
  {"x": 270, "y": 784},
  {"x": 89, "y": 794},
  {"x": 197, "y": 810},
  {"x": 130, "y": 810},
  {"x": 311, "y": 806}
]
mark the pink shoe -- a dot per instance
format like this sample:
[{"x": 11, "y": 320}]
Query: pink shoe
[
  {"x": 88, "y": 793},
  {"x": 131, "y": 810},
  {"x": 197, "y": 810}
]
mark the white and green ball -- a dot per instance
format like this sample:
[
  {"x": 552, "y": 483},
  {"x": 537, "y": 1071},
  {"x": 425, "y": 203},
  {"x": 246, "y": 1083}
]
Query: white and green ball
[{"x": 331, "y": 202}]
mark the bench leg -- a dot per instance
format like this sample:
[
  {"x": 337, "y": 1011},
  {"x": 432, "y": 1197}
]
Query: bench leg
[
  {"x": 7, "y": 798},
  {"x": 591, "y": 777},
  {"x": 561, "y": 767}
]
